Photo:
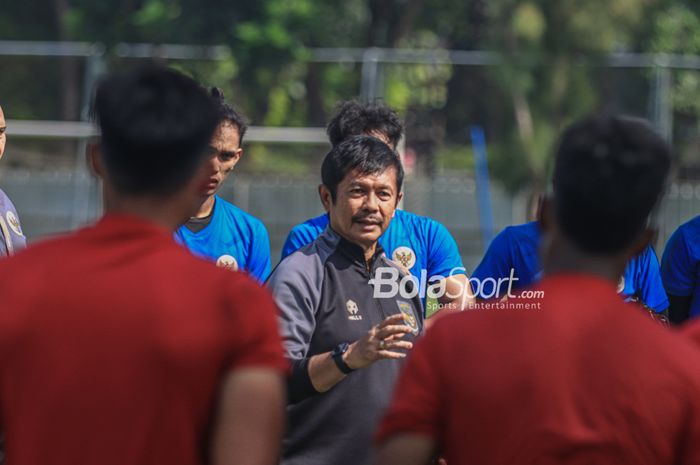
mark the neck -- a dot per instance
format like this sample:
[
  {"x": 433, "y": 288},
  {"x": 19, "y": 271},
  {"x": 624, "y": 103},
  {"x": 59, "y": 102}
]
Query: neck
[
  {"x": 206, "y": 208},
  {"x": 166, "y": 214},
  {"x": 369, "y": 253},
  {"x": 562, "y": 256},
  {"x": 368, "y": 250}
]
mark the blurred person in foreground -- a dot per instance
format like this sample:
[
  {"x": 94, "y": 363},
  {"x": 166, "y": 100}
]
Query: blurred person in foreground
[
  {"x": 345, "y": 343},
  {"x": 575, "y": 376},
  {"x": 419, "y": 244},
  {"x": 11, "y": 236},
  {"x": 220, "y": 231},
  {"x": 512, "y": 260},
  {"x": 117, "y": 346}
]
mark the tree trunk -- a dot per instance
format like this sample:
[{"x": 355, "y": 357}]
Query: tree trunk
[{"x": 70, "y": 70}]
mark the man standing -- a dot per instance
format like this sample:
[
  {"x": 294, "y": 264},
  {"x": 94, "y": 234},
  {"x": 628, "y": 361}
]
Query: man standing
[
  {"x": 580, "y": 378},
  {"x": 419, "y": 244},
  {"x": 117, "y": 346},
  {"x": 680, "y": 271},
  {"x": 344, "y": 343},
  {"x": 219, "y": 231},
  {"x": 11, "y": 236},
  {"x": 515, "y": 250}
]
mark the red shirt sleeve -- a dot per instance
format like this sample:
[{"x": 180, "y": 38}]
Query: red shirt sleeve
[
  {"x": 416, "y": 406},
  {"x": 255, "y": 339}
]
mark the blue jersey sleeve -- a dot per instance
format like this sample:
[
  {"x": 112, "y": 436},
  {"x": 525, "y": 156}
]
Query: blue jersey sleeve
[
  {"x": 259, "y": 263},
  {"x": 443, "y": 255},
  {"x": 678, "y": 265},
  {"x": 649, "y": 285},
  {"x": 497, "y": 263},
  {"x": 298, "y": 237}
]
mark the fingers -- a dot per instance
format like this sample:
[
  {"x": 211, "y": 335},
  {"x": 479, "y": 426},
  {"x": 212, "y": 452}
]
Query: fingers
[
  {"x": 393, "y": 319},
  {"x": 391, "y": 330},
  {"x": 390, "y": 355},
  {"x": 396, "y": 344}
]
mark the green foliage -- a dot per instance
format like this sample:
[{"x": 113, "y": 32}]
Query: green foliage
[
  {"x": 678, "y": 31},
  {"x": 523, "y": 103}
]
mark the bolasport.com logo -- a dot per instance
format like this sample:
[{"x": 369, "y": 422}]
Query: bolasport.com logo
[{"x": 471, "y": 293}]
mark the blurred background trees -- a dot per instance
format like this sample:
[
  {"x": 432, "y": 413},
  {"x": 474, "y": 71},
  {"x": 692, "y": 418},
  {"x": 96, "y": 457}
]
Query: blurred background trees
[{"x": 552, "y": 67}]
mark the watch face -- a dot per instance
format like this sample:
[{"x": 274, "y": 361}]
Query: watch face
[{"x": 341, "y": 348}]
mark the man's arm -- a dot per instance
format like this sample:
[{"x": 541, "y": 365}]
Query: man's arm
[
  {"x": 249, "y": 415},
  {"x": 249, "y": 420},
  {"x": 407, "y": 449},
  {"x": 260, "y": 263},
  {"x": 458, "y": 294},
  {"x": 323, "y": 371},
  {"x": 444, "y": 260},
  {"x": 678, "y": 275}
]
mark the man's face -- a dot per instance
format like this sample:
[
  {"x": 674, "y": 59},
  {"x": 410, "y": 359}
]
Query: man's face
[
  {"x": 3, "y": 136},
  {"x": 225, "y": 153},
  {"x": 364, "y": 205}
]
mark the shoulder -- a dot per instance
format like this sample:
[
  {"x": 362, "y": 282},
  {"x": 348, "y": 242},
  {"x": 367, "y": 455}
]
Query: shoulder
[
  {"x": 524, "y": 231},
  {"x": 307, "y": 261},
  {"x": 5, "y": 202},
  {"x": 238, "y": 214},
  {"x": 309, "y": 229},
  {"x": 644, "y": 258},
  {"x": 420, "y": 224},
  {"x": 689, "y": 231},
  {"x": 317, "y": 223}
]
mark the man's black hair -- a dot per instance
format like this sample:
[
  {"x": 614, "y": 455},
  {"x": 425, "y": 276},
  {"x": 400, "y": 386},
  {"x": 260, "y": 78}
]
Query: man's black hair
[
  {"x": 355, "y": 118},
  {"x": 609, "y": 174},
  {"x": 228, "y": 113},
  {"x": 363, "y": 154},
  {"x": 156, "y": 125}
]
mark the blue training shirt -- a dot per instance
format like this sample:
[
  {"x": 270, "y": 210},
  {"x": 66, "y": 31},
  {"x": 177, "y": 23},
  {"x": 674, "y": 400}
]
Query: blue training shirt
[
  {"x": 679, "y": 264},
  {"x": 233, "y": 239},
  {"x": 416, "y": 242},
  {"x": 517, "y": 248}
]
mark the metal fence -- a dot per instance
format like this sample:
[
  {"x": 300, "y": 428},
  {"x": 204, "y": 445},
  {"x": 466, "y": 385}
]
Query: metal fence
[{"x": 51, "y": 203}]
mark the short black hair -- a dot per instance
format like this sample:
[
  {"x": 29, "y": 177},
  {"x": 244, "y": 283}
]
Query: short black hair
[
  {"x": 609, "y": 174},
  {"x": 355, "y": 118},
  {"x": 156, "y": 125},
  {"x": 365, "y": 154},
  {"x": 227, "y": 112}
]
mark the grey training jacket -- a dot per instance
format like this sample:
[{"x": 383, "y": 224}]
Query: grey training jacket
[{"x": 325, "y": 298}]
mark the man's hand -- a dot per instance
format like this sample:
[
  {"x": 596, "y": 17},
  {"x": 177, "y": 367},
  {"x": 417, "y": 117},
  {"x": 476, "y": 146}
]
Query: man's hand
[
  {"x": 379, "y": 343},
  {"x": 458, "y": 294}
]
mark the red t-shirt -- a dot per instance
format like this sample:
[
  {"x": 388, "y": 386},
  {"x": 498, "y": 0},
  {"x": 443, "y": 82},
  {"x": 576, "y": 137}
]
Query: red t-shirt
[
  {"x": 113, "y": 343},
  {"x": 585, "y": 379}
]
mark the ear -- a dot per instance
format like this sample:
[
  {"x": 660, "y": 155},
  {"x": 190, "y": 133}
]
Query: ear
[
  {"x": 398, "y": 201},
  {"x": 93, "y": 153},
  {"x": 237, "y": 157},
  {"x": 325, "y": 195}
]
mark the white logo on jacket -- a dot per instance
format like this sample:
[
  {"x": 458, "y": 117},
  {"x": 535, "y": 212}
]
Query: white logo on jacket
[
  {"x": 228, "y": 262},
  {"x": 353, "y": 311},
  {"x": 13, "y": 223}
]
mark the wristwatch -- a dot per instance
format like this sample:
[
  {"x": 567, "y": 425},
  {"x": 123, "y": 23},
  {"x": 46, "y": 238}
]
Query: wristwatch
[{"x": 337, "y": 356}]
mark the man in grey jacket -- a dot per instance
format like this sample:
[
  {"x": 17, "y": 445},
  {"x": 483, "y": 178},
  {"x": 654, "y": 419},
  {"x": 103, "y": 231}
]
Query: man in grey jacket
[{"x": 345, "y": 338}]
